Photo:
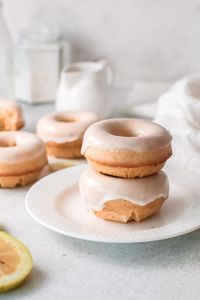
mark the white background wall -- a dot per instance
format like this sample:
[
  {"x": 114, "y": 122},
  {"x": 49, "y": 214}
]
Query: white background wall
[{"x": 143, "y": 39}]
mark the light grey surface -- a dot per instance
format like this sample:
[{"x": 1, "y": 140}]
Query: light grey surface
[
  {"x": 34, "y": 112},
  {"x": 66, "y": 268}
]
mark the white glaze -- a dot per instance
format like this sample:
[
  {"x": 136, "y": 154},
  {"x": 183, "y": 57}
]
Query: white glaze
[
  {"x": 27, "y": 146},
  {"x": 96, "y": 189},
  {"x": 50, "y": 129},
  {"x": 142, "y": 136}
]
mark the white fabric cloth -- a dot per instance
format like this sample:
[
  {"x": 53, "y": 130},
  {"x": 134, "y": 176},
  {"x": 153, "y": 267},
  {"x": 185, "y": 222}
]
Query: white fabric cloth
[{"x": 179, "y": 111}]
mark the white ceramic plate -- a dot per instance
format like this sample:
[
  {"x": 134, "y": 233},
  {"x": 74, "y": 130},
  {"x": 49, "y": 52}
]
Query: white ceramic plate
[{"x": 55, "y": 202}]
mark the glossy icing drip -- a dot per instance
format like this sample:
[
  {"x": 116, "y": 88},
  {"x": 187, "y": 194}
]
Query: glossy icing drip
[{"x": 96, "y": 189}]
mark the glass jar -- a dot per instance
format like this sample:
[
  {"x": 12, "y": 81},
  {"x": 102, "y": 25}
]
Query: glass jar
[
  {"x": 37, "y": 60},
  {"x": 6, "y": 84}
]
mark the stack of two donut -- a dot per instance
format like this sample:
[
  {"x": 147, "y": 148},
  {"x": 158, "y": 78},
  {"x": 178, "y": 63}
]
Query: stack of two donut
[{"x": 124, "y": 181}]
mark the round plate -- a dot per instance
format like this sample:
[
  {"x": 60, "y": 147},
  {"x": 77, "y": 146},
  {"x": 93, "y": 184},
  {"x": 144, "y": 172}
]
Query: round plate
[{"x": 55, "y": 202}]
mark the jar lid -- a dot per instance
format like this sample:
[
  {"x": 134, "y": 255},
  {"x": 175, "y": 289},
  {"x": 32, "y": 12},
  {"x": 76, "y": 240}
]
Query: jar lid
[{"x": 39, "y": 36}]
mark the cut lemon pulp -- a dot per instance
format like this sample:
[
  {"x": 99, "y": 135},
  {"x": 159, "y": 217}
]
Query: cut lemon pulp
[{"x": 15, "y": 262}]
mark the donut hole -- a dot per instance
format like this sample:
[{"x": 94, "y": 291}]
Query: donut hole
[
  {"x": 123, "y": 131},
  {"x": 7, "y": 143},
  {"x": 64, "y": 119}
]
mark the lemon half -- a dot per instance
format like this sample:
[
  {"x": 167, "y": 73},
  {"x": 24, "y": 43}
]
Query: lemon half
[{"x": 15, "y": 262}]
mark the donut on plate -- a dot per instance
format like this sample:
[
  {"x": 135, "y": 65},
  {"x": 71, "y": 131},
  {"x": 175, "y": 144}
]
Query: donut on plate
[
  {"x": 126, "y": 147},
  {"x": 123, "y": 199},
  {"x": 22, "y": 157},
  {"x": 11, "y": 116},
  {"x": 63, "y": 132}
]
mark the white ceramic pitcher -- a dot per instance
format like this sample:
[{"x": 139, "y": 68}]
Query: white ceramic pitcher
[{"x": 85, "y": 86}]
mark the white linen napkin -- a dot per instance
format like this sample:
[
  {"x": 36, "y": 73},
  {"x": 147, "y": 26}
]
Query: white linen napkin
[{"x": 179, "y": 111}]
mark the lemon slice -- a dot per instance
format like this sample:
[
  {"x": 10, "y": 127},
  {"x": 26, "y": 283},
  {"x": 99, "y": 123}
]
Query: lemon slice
[{"x": 15, "y": 262}]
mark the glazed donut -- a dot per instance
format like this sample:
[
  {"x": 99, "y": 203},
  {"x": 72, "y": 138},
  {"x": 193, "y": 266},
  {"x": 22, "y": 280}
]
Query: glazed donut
[
  {"x": 122, "y": 199},
  {"x": 63, "y": 132},
  {"x": 22, "y": 157},
  {"x": 126, "y": 147},
  {"x": 11, "y": 116}
]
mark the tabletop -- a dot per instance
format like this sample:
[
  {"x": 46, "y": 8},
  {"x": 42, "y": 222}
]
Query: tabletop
[{"x": 67, "y": 268}]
